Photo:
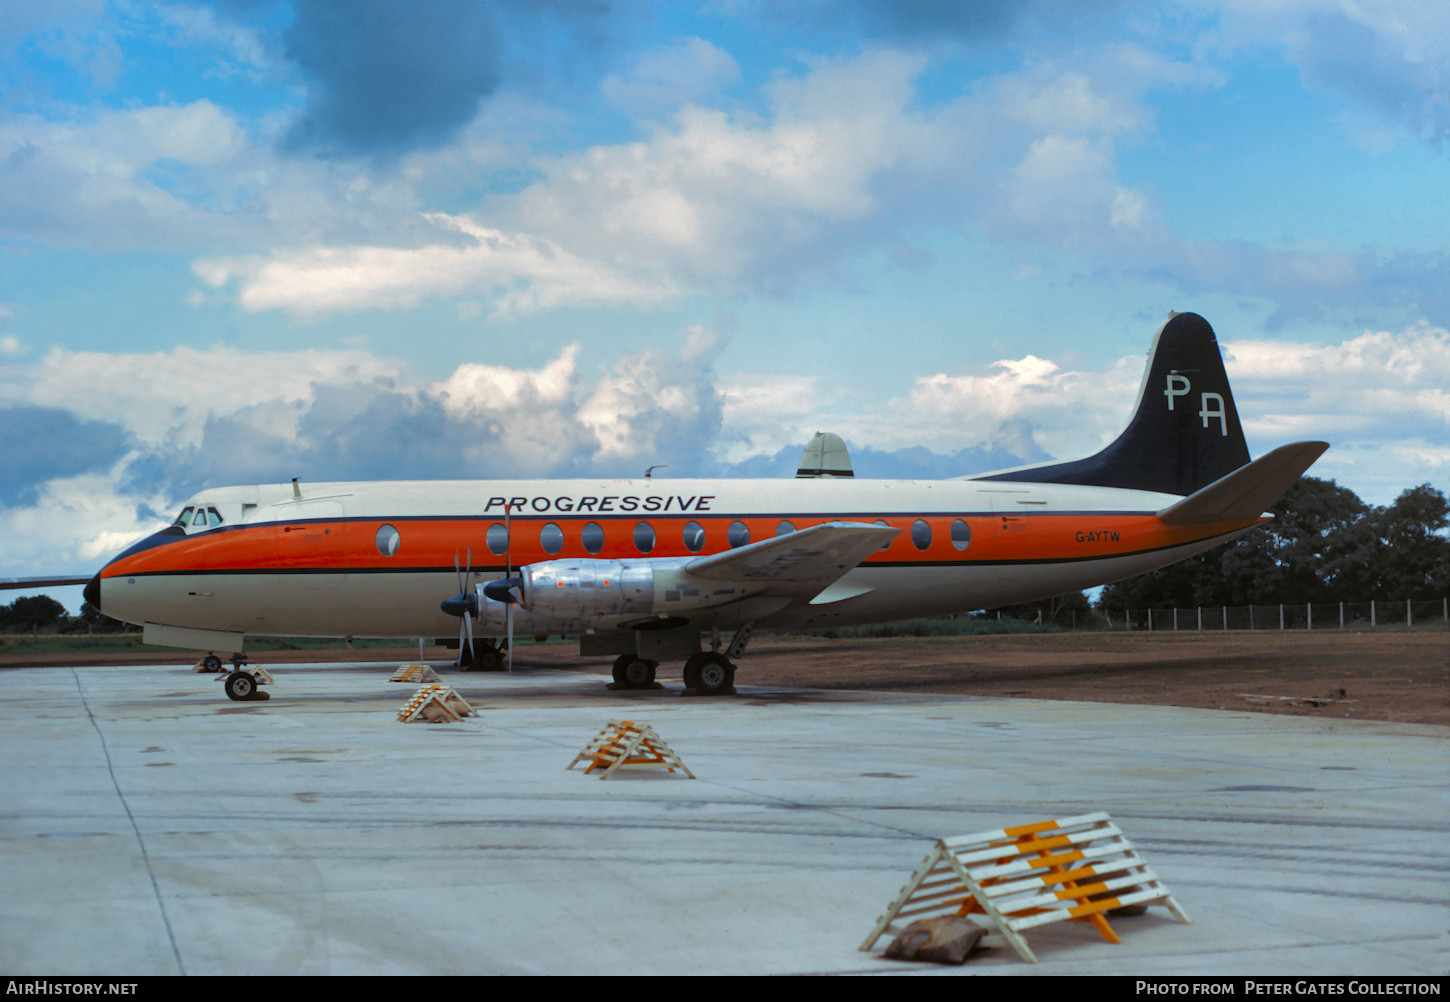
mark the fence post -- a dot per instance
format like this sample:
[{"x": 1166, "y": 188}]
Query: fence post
[
  {"x": 1150, "y": 619},
  {"x": 1175, "y": 619},
  {"x": 1341, "y": 615},
  {"x": 1371, "y": 613},
  {"x": 1309, "y": 613},
  {"x": 1409, "y": 616},
  {"x": 1251, "y": 616},
  {"x": 1225, "y": 619},
  {"x": 1200, "y": 619},
  {"x": 1281, "y": 615}
]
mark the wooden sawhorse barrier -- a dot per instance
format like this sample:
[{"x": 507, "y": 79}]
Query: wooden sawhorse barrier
[
  {"x": 623, "y": 744},
  {"x": 1074, "y": 869}
]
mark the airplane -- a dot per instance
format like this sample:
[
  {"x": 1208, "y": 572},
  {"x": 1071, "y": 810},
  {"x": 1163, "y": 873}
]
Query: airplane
[{"x": 652, "y": 570}]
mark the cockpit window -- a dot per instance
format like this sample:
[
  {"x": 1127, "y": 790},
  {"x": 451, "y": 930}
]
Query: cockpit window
[
  {"x": 184, "y": 518},
  {"x": 199, "y": 518},
  {"x": 213, "y": 517}
]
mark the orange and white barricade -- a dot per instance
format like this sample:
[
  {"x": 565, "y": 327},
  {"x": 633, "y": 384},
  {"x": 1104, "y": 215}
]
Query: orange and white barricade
[
  {"x": 1074, "y": 869},
  {"x": 627, "y": 745}
]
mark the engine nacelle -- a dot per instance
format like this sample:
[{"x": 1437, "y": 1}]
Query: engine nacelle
[{"x": 593, "y": 590}]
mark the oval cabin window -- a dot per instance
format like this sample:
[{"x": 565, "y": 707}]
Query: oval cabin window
[
  {"x": 592, "y": 536},
  {"x": 388, "y": 540},
  {"x": 644, "y": 537},
  {"x": 961, "y": 534},
  {"x": 921, "y": 534},
  {"x": 551, "y": 538},
  {"x": 694, "y": 537},
  {"x": 497, "y": 539}
]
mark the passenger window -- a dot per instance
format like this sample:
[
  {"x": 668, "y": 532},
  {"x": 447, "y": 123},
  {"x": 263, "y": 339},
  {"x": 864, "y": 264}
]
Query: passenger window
[
  {"x": 784, "y": 529},
  {"x": 644, "y": 537},
  {"x": 738, "y": 534},
  {"x": 551, "y": 538},
  {"x": 592, "y": 537},
  {"x": 388, "y": 540},
  {"x": 921, "y": 534},
  {"x": 961, "y": 534},
  {"x": 694, "y": 537},
  {"x": 497, "y": 539},
  {"x": 886, "y": 545}
]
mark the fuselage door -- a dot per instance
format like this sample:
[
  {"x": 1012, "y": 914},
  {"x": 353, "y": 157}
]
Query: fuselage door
[{"x": 310, "y": 544}]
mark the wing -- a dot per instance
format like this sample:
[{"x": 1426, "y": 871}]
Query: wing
[
  {"x": 800, "y": 564},
  {"x": 13, "y": 584}
]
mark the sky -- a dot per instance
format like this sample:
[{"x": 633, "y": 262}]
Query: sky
[{"x": 249, "y": 240}]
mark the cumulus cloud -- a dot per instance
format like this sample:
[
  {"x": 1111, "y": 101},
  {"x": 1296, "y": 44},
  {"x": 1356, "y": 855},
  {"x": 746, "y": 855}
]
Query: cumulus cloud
[
  {"x": 523, "y": 273},
  {"x": 1380, "y": 399},
  {"x": 845, "y": 161}
]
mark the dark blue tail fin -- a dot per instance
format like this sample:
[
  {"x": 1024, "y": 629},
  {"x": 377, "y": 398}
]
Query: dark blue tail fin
[{"x": 1185, "y": 433}]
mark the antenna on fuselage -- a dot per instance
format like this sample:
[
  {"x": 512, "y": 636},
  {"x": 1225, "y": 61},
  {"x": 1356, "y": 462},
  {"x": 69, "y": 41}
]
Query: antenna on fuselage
[
  {"x": 657, "y": 466},
  {"x": 296, "y": 491}
]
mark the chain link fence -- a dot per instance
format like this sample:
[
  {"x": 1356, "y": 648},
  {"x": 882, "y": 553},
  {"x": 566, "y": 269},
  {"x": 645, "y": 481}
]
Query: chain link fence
[{"x": 1315, "y": 616}]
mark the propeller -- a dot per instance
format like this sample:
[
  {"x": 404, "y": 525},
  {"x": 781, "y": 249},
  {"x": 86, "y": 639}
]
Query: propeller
[{"x": 463, "y": 605}]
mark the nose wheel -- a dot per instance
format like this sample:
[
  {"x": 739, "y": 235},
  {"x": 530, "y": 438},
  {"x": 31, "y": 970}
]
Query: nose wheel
[
  {"x": 242, "y": 685},
  {"x": 710, "y": 673}
]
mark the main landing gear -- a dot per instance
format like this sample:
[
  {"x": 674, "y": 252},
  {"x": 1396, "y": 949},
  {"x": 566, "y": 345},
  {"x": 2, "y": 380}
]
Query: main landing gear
[
  {"x": 487, "y": 656},
  {"x": 634, "y": 672},
  {"x": 710, "y": 673}
]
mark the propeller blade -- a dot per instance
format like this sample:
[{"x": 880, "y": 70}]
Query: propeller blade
[{"x": 468, "y": 627}]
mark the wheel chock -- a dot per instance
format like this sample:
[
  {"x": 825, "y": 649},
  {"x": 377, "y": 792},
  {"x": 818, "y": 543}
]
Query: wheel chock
[
  {"x": 436, "y": 704},
  {"x": 414, "y": 673},
  {"x": 623, "y": 744},
  {"x": 1075, "y": 869}
]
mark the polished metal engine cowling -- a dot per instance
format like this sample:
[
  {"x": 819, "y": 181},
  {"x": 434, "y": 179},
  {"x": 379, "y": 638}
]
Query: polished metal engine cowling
[{"x": 584, "y": 589}]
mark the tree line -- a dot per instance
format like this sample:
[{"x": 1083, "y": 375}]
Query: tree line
[
  {"x": 1325, "y": 544},
  {"x": 43, "y": 614}
]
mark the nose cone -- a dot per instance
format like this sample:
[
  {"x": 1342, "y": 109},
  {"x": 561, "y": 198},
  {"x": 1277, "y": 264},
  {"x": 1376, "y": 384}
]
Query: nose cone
[
  {"x": 459, "y": 604},
  {"x": 502, "y": 590},
  {"x": 92, "y": 591}
]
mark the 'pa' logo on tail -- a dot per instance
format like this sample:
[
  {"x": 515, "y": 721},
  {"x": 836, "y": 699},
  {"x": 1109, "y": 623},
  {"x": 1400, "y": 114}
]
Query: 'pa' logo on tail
[{"x": 1179, "y": 386}]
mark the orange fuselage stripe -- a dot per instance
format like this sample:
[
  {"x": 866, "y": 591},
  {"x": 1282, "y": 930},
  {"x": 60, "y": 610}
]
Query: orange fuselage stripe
[{"x": 431, "y": 544}]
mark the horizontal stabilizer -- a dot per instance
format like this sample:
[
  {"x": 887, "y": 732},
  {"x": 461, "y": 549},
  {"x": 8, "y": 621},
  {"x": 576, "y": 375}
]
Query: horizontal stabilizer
[
  {"x": 1248, "y": 491},
  {"x": 822, "y": 552}
]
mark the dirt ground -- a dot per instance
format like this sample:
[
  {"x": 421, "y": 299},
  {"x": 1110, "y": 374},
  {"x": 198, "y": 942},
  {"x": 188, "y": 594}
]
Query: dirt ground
[{"x": 1390, "y": 675}]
